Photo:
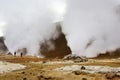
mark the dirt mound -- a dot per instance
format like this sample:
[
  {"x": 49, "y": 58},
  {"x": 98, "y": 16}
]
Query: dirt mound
[
  {"x": 76, "y": 58},
  {"x": 3, "y": 47},
  {"x": 112, "y": 54},
  {"x": 61, "y": 48}
]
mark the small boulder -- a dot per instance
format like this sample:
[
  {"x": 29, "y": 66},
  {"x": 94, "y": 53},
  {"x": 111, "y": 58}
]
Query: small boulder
[
  {"x": 24, "y": 78},
  {"x": 83, "y": 68},
  {"x": 76, "y": 72},
  {"x": 84, "y": 78}
]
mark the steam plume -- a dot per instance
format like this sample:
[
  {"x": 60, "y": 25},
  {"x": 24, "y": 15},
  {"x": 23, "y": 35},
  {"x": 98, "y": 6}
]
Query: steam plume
[
  {"x": 30, "y": 22},
  {"x": 92, "y": 26}
]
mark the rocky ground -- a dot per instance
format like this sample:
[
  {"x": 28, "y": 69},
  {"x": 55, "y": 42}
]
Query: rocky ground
[{"x": 58, "y": 69}]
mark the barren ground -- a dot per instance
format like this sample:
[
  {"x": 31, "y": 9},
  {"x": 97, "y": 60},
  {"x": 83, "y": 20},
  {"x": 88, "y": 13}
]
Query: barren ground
[{"x": 46, "y": 71}]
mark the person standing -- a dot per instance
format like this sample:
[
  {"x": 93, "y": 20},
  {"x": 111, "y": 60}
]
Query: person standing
[
  {"x": 14, "y": 53},
  {"x": 21, "y": 54}
]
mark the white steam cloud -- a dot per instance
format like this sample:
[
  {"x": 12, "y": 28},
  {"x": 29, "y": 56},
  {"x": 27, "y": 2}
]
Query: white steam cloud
[
  {"x": 30, "y": 22},
  {"x": 91, "y": 26}
]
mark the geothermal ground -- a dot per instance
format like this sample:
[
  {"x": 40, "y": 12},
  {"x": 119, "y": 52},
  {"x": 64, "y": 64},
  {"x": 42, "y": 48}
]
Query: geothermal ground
[{"x": 34, "y": 68}]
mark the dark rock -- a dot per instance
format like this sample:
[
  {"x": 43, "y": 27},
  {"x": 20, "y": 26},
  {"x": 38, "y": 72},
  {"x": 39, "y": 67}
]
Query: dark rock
[
  {"x": 24, "y": 78},
  {"x": 46, "y": 78},
  {"x": 84, "y": 78},
  {"x": 31, "y": 73},
  {"x": 41, "y": 77},
  {"x": 83, "y": 68},
  {"x": 44, "y": 62},
  {"x": 23, "y": 72},
  {"x": 77, "y": 72},
  {"x": 50, "y": 78}
]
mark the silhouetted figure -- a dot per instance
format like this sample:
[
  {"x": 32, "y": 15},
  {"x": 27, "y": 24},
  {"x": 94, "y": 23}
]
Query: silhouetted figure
[
  {"x": 21, "y": 54},
  {"x": 14, "y": 53}
]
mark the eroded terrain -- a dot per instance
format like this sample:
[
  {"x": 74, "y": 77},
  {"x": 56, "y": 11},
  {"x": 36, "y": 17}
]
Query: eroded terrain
[{"x": 58, "y": 69}]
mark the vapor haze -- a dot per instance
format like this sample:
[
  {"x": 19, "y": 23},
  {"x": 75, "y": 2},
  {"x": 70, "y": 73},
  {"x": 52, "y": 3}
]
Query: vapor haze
[
  {"x": 91, "y": 26},
  {"x": 29, "y": 23},
  {"x": 92, "y": 23}
]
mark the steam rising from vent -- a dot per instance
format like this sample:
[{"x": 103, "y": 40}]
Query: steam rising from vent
[
  {"x": 30, "y": 23},
  {"x": 90, "y": 26}
]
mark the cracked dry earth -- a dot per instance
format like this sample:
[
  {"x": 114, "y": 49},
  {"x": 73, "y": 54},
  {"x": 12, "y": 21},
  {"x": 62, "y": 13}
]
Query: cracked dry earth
[{"x": 45, "y": 69}]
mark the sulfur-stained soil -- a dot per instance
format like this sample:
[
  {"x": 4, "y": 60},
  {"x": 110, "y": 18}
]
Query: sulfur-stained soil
[{"x": 38, "y": 69}]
